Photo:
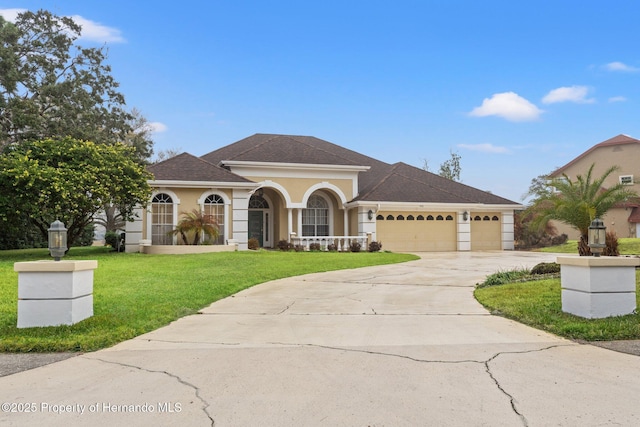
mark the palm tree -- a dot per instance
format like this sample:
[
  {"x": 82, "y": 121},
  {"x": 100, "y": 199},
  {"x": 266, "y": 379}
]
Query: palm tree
[
  {"x": 579, "y": 202},
  {"x": 197, "y": 223}
]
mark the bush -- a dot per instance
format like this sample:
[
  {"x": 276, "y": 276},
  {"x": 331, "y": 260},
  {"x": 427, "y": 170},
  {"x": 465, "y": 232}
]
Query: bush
[
  {"x": 283, "y": 245},
  {"x": 253, "y": 244},
  {"x": 355, "y": 247},
  {"x": 299, "y": 248},
  {"x": 375, "y": 246},
  {"x": 332, "y": 247},
  {"x": 502, "y": 277},
  {"x": 546, "y": 268},
  {"x": 612, "y": 245},
  {"x": 314, "y": 247}
]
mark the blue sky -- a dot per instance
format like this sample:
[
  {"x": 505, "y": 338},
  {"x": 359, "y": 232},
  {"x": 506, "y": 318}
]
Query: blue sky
[{"x": 516, "y": 88}]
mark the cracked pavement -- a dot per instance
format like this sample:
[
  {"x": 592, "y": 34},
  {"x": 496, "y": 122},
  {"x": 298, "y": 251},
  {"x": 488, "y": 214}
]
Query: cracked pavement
[{"x": 398, "y": 345}]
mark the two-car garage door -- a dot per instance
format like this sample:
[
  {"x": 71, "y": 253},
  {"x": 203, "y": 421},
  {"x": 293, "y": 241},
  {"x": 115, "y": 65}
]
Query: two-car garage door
[
  {"x": 435, "y": 232},
  {"x": 416, "y": 232}
]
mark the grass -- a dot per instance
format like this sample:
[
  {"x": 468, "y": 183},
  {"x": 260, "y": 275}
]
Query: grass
[
  {"x": 137, "y": 293},
  {"x": 626, "y": 246},
  {"x": 538, "y": 304}
]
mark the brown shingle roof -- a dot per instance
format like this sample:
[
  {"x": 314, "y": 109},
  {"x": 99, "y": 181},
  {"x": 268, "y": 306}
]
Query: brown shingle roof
[
  {"x": 186, "y": 167},
  {"x": 382, "y": 182},
  {"x": 616, "y": 140},
  {"x": 405, "y": 183}
]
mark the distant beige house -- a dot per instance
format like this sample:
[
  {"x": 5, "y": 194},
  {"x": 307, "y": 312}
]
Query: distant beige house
[
  {"x": 622, "y": 151},
  {"x": 303, "y": 190}
]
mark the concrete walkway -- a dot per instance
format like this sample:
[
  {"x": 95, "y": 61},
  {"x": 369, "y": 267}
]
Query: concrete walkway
[{"x": 400, "y": 345}]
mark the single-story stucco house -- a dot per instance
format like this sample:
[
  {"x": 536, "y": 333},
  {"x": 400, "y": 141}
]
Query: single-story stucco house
[{"x": 302, "y": 189}]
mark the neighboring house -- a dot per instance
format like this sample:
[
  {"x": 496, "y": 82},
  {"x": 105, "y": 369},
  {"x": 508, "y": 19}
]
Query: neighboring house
[
  {"x": 624, "y": 152},
  {"x": 302, "y": 189}
]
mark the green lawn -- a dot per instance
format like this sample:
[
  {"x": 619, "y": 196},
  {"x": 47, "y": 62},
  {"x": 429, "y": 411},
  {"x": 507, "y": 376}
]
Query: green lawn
[
  {"x": 137, "y": 293},
  {"x": 626, "y": 246},
  {"x": 538, "y": 304}
]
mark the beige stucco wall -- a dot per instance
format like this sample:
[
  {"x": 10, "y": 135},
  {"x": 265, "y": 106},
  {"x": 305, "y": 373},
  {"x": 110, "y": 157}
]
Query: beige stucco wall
[
  {"x": 188, "y": 198},
  {"x": 615, "y": 220},
  {"x": 297, "y": 187},
  {"x": 626, "y": 157}
]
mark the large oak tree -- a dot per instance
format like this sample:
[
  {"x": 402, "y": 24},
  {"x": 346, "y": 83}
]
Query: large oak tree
[{"x": 52, "y": 87}]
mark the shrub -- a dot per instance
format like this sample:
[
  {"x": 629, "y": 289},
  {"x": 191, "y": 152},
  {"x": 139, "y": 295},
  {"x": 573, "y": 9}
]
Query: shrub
[
  {"x": 332, "y": 247},
  {"x": 283, "y": 245},
  {"x": 546, "y": 268},
  {"x": 502, "y": 277},
  {"x": 299, "y": 248},
  {"x": 355, "y": 247},
  {"x": 253, "y": 244},
  {"x": 375, "y": 246},
  {"x": 111, "y": 239},
  {"x": 611, "y": 241},
  {"x": 314, "y": 247}
]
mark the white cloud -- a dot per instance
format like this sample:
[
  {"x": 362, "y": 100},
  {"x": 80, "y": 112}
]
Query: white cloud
[
  {"x": 97, "y": 32},
  {"x": 486, "y": 148},
  {"x": 11, "y": 14},
  {"x": 91, "y": 30},
  {"x": 577, "y": 94},
  {"x": 508, "y": 105},
  {"x": 157, "y": 127},
  {"x": 617, "y": 99},
  {"x": 620, "y": 66}
]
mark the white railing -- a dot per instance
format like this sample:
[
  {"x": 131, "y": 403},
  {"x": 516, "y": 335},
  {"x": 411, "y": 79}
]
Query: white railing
[{"x": 340, "y": 243}]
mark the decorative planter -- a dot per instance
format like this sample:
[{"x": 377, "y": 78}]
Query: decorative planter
[
  {"x": 598, "y": 287},
  {"x": 52, "y": 293}
]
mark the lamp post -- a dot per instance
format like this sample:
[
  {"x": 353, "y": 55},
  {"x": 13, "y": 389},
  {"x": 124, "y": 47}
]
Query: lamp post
[
  {"x": 597, "y": 236},
  {"x": 57, "y": 240}
]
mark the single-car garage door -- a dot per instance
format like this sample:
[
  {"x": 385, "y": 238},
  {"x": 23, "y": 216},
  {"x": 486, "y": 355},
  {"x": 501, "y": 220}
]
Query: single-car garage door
[
  {"x": 486, "y": 233},
  {"x": 416, "y": 231}
]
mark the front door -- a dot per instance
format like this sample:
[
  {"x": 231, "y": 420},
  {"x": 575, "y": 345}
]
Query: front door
[{"x": 256, "y": 226}]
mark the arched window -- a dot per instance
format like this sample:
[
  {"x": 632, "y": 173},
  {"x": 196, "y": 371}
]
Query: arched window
[
  {"x": 161, "y": 219},
  {"x": 400, "y": 218},
  {"x": 214, "y": 206},
  {"x": 420, "y": 218},
  {"x": 390, "y": 218},
  {"x": 258, "y": 202},
  {"x": 486, "y": 218},
  {"x": 449, "y": 218},
  {"x": 379, "y": 218},
  {"x": 439, "y": 218},
  {"x": 315, "y": 218},
  {"x": 410, "y": 218},
  {"x": 495, "y": 218},
  {"x": 477, "y": 218},
  {"x": 429, "y": 217}
]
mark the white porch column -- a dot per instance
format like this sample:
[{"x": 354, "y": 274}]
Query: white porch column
[
  {"x": 241, "y": 218},
  {"x": 289, "y": 223},
  {"x": 345, "y": 216},
  {"x": 464, "y": 231},
  {"x": 299, "y": 230},
  {"x": 366, "y": 225},
  {"x": 507, "y": 231},
  {"x": 133, "y": 232}
]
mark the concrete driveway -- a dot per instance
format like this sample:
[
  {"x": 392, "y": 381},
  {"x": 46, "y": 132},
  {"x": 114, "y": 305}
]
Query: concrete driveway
[{"x": 399, "y": 345}]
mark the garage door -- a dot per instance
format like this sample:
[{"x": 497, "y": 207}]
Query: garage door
[
  {"x": 416, "y": 231},
  {"x": 486, "y": 232}
]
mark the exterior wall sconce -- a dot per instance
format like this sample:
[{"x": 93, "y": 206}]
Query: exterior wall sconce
[
  {"x": 370, "y": 214},
  {"x": 597, "y": 236},
  {"x": 465, "y": 215},
  {"x": 57, "y": 240}
]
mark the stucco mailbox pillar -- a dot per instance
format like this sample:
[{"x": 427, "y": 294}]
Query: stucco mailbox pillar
[
  {"x": 598, "y": 287},
  {"x": 52, "y": 293}
]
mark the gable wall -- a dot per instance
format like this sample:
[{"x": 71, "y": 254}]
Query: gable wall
[
  {"x": 626, "y": 156},
  {"x": 297, "y": 187}
]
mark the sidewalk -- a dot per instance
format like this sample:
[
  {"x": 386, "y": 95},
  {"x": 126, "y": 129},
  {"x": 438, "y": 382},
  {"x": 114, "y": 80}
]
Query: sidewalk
[{"x": 400, "y": 345}]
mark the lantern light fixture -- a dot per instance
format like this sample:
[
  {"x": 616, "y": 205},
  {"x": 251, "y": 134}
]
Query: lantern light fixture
[
  {"x": 370, "y": 214},
  {"x": 57, "y": 240},
  {"x": 465, "y": 215},
  {"x": 597, "y": 236}
]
